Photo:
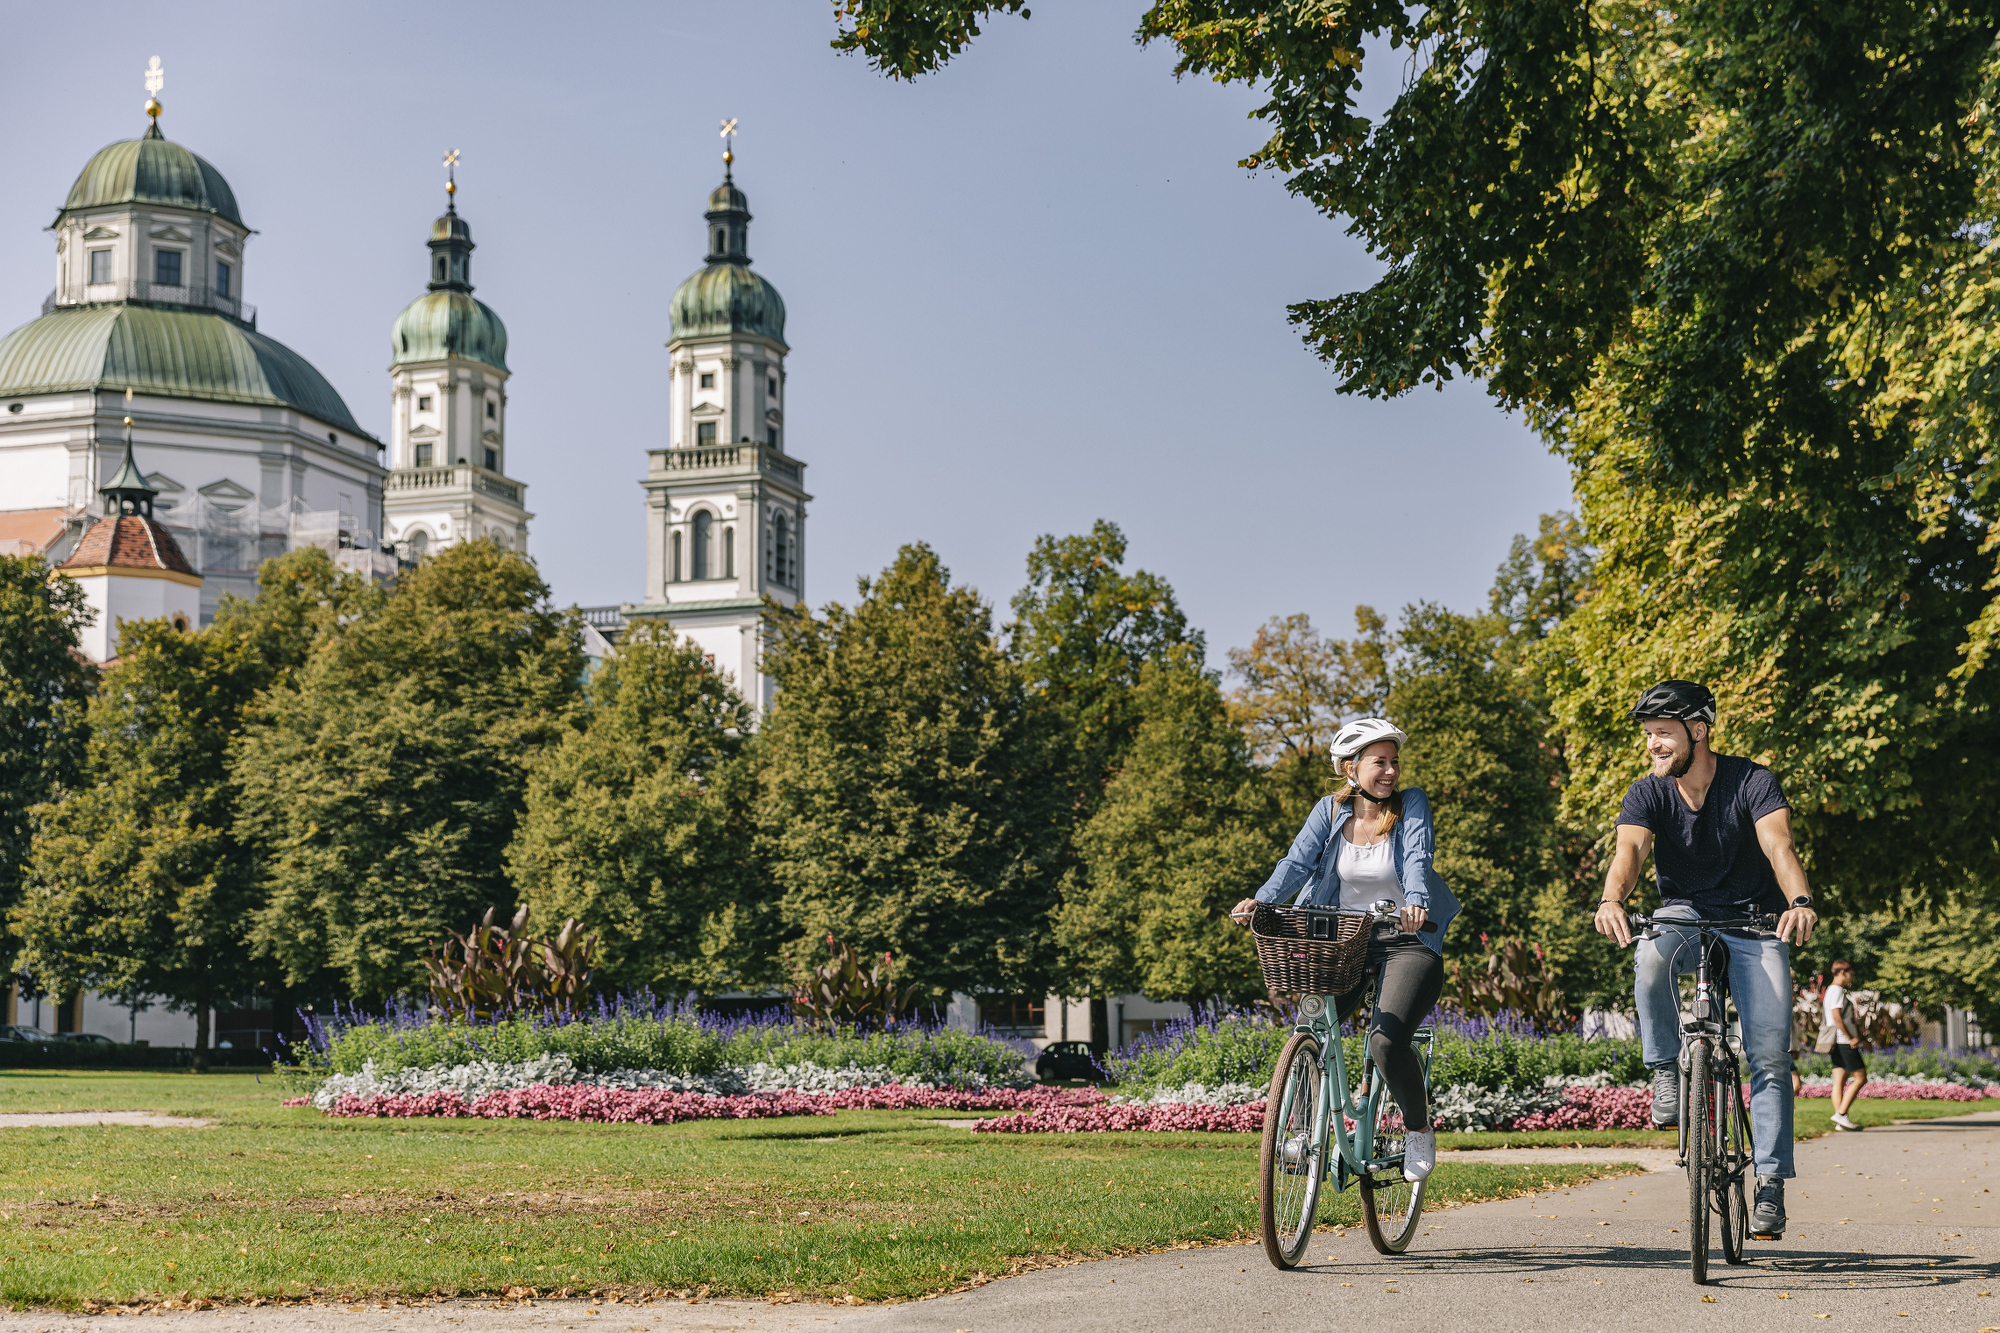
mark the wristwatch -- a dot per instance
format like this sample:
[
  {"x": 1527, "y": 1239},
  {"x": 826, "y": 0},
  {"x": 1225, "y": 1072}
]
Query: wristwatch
[{"x": 1803, "y": 900}]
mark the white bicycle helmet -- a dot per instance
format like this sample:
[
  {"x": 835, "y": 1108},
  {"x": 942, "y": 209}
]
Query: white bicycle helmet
[{"x": 1363, "y": 732}]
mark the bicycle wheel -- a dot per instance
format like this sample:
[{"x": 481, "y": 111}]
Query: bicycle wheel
[
  {"x": 1733, "y": 1195},
  {"x": 1390, "y": 1205},
  {"x": 1293, "y": 1159},
  {"x": 1696, "y": 1109}
]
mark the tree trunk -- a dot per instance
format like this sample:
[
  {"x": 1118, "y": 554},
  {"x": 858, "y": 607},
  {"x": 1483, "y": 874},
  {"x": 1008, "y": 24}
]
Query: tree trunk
[{"x": 201, "y": 1039}]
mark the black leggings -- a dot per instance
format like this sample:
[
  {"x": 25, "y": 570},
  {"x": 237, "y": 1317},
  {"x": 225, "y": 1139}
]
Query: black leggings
[{"x": 1412, "y": 978}]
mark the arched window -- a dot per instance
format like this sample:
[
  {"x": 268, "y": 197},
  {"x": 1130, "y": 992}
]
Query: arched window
[
  {"x": 441, "y": 268},
  {"x": 729, "y": 553},
  {"x": 420, "y": 544},
  {"x": 674, "y": 566},
  {"x": 781, "y": 565},
  {"x": 703, "y": 521},
  {"x": 721, "y": 240}
]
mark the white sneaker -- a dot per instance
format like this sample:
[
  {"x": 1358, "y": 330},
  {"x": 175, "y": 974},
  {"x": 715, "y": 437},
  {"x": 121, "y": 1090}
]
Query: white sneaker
[
  {"x": 1842, "y": 1121},
  {"x": 1420, "y": 1154}
]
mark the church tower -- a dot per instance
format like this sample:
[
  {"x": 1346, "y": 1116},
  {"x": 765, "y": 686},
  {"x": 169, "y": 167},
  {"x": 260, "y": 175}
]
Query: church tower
[
  {"x": 448, "y": 372},
  {"x": 725, "y": 501}
]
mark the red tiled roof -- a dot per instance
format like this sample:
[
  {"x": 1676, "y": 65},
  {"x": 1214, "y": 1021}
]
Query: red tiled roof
[
  {"x": 35, "y": 529},
  {"x": 129, "y": 542}
]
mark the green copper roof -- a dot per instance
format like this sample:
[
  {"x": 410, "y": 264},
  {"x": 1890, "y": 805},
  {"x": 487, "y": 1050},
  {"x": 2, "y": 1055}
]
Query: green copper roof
[
  {"x": 449, "y": 323},
  {"x": 152, "y": 170},
  {"x": 173, "y": 353},
  {"x": 728, "y": 298}
]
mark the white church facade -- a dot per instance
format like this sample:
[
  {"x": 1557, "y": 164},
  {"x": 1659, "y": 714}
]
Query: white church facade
[{"x": 725, "y": 500}]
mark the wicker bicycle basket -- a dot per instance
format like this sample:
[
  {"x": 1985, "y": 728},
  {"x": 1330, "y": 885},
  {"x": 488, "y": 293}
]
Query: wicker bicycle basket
[{"x": 1310, "y": 950}]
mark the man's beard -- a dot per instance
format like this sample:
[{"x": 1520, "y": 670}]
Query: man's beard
[{"x": 1678, "y": 768}]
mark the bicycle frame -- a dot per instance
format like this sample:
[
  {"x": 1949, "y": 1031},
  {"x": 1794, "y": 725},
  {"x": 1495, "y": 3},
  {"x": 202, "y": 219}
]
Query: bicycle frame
[{"x": 1338, "y": 1105}]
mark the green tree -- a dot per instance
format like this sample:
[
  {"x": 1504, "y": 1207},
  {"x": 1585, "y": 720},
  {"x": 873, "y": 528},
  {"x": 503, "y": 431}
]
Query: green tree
[
  {"x": 640, "y": 824},
  {"x": 1762, "y": 338},
  {"x": 1186, "y": 828},
  {"x": 1297, "y": 689},
  {"x": 45, "y": 684},
  {"x": 910, "y": 799},
  {"x": 381, "y": 790},
  {"x": 138, "y": 884},
  {"x": 1083, "y": 631}
]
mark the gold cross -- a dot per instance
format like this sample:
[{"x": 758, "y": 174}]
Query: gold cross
[
  {"x": 156, "y": 78},
  {"x": 729, "y": 127}
]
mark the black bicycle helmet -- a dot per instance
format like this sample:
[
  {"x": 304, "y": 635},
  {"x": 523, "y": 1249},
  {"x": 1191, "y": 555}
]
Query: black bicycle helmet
[{"x": 1676, "y": 701}]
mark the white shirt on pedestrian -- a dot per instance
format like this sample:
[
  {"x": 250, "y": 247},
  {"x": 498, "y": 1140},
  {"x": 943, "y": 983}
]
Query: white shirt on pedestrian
[{"x": 1835, "y": 997}]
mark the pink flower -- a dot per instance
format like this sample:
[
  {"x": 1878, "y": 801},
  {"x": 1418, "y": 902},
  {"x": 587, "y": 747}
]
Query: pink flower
[
  {"x": 1594, "y": 1108},
  {"x": 579, "y": 1101},
  {"x": 1100, "y": 1119}
]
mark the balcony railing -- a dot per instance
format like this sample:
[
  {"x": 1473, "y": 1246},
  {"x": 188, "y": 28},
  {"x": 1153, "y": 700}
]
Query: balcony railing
[
  {"x": 717, "y": 457},
  {"x": 194, "y": 298},
  {"x": 454, "y": 476},
  {"x": 603, "y": 619}
]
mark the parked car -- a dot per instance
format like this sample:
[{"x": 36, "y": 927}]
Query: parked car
[
  {"x": 24, "y": 1032},
  {"x": 1061, "y": 1060},
  {"x": 86, "y": 1039}
]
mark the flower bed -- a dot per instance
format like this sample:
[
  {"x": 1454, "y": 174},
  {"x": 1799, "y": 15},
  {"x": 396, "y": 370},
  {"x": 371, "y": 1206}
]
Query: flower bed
[
  {"x": 1907, "y": 1092},
  {"x": 1594, "y": 1108},
  {"x": 1158, "y": 1117},
  {"x": 651, "y": 1106}
]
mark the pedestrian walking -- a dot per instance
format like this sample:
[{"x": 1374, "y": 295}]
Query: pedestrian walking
[{"x": 1839, "y": 1039}]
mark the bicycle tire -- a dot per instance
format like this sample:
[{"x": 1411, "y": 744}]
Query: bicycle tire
[
  {"x": 1700, "y": 1140},
  {"x": 1291, "y": 1162},
  {"x": 1391, "y": 1208},
  {"x": 1726, "y": 1173},
  {"x": 1736, "y": 1195}
]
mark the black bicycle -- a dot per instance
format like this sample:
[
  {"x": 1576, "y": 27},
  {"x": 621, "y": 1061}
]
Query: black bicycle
[{"x": 1715, "y": 1122}]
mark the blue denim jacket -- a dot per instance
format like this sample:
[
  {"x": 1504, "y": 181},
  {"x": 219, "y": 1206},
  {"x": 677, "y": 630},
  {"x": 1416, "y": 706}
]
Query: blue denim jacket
[{"x": 1310, "y": 869}]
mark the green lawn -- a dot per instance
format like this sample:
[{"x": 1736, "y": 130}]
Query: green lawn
[{"x": 876, "y": 1204}]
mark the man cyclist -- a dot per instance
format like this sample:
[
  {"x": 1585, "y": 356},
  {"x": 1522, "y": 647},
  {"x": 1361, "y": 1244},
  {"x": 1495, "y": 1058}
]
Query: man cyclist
[{"x": 1720, "y": 833}]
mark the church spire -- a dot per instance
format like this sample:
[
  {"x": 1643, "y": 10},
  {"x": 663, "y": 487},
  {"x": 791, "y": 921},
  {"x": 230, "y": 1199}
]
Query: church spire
[
  {"x": 156, "y": 79},
  {"x": 127, "y": 493},
  {"x": 728, "y": 210},
  {"x": 451, "y": 240}
]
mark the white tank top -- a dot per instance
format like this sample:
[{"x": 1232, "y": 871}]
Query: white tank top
[{"x": 1367, "y": 875}]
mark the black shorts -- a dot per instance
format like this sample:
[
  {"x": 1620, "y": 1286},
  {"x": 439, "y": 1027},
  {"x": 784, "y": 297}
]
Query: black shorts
[{"x": 1846, "y": 1057}]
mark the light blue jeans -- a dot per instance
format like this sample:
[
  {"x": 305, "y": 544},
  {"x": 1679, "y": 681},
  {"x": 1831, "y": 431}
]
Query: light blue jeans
[{"x": 1760, "y": 983}]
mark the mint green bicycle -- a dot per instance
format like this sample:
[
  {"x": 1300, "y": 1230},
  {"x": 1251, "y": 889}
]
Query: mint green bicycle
[{"x": 1311, "y": 952}]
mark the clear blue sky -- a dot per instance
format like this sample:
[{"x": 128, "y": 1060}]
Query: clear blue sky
[{"x": 1025, "y": 293}]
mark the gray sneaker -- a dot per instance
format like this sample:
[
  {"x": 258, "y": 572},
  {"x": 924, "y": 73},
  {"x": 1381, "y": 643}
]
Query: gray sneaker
[
  {"x": 1767, "y": 1216},
  {"x": 1666, "y": 1097}
]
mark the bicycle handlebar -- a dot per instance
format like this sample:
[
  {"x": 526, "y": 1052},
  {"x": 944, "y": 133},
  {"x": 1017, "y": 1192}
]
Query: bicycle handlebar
[{"x": 1763, "y": 921}]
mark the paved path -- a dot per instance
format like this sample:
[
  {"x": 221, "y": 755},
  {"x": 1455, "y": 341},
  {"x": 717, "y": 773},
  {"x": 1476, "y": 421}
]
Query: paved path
[
  {"x": 151, "y": 1119},
  {"x": 1898, "y": 1226}
]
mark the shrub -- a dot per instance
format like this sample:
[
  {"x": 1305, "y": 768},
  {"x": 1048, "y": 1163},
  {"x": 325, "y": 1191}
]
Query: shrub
[
  {"x": 1506, "y": 1051},
  {"x": 640, "y": 1032},
  {"x": 1970, "y": 1069}
]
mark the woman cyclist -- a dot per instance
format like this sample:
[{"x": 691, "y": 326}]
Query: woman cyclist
[{"x": 1363, "y": 844}]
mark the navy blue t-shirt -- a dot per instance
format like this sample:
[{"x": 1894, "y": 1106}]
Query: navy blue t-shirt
[{"x": 1710, "y": 859}]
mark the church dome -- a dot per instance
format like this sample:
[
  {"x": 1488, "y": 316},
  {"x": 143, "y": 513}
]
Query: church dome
[
  {"x": 728, "y": 298},
  {"x": 171, "y": 353},
  {"x": 451, "y": 227},
  {"x": 152, "y": 170},
  {"x": 449, "y": 323},
  {"x": 728, "y": 199}
]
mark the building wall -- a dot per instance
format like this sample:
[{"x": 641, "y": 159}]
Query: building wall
[
  {"x": 230, "y": 475},
  {"x": 1125, "y": 1017},
  {"x": 131, "y": 596}
]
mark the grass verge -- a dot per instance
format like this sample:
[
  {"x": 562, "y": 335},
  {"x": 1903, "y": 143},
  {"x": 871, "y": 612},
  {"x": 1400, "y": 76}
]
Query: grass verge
[{"x": 277, "y": 1202}]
